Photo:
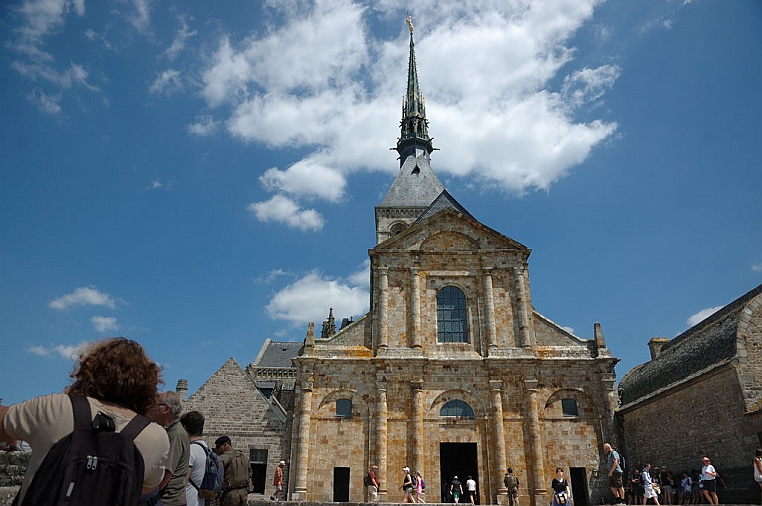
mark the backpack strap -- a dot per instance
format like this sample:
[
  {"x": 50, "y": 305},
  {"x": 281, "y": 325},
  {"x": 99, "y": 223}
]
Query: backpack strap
[
  {"x": 206, "y": 454},
  {"x": 83, "y": 418},
  {"x": 83, "y": 415}
]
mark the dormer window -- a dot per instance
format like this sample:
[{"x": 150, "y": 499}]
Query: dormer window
[{"x": 416, "y": 170}]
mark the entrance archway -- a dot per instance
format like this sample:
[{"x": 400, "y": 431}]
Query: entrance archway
[{"x": 458, "y": 459}]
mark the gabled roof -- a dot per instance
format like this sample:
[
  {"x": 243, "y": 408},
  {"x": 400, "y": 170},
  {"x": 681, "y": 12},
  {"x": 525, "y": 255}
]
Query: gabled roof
[
  {"x": 705, "y": 346},
  {"x": 443, "y": 201}
]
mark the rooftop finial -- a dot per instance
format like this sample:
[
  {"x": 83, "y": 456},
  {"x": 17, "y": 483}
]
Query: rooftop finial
[{"x": 409, "y": 22}]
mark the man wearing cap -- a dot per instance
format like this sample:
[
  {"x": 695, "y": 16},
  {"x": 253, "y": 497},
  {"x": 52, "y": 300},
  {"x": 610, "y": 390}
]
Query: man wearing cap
[
  {"x": 235, "y": 486},
  {"x": 709, "y": 479},
  {"x": 373, "y": 484},
  {"x": 278, "y": 481}
]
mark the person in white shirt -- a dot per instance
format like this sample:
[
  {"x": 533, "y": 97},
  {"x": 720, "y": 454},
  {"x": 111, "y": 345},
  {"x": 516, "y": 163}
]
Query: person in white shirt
[
  {"x": 193, "y": 423},
  {"x": 709, "y": 478}
]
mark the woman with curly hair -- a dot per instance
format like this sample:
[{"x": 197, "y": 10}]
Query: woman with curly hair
[{"x": 119, "y": 381}]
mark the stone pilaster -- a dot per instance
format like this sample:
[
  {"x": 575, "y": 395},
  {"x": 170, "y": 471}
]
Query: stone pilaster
[
  {"x": 415, "y": 307},
  {"x": 489, "y": 303},
  {"x": 303, "y": 442},
  {"x": 383, "y": 297},
  {"x": 540, "y": 495},
  {"x": 381, "y": 439},
  {"x": 498, "y": 438},
  {"x": 526, "y": 332},
  {"x": 418, "y": 436}
]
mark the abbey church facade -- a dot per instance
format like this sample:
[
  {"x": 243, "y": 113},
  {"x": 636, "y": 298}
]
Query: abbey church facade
[{"x": 451, "y": 372}]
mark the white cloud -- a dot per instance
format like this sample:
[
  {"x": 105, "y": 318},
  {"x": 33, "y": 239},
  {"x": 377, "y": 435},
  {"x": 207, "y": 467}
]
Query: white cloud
[
  {"x": 309, "y": 299},
  {"x": 203, "y": 125},
  {"x": 83, "y": 296},
  {"x": 43, "y": 17},
  {"x": 484, "y": 69},
  {"x": 308, "y": 177},
  {"x": 166, "y": 82},
  {"x": 757, "y": 267},
  {"x": 75, "y": 74},
  {"x": 104, "y": 323},
  {"x": 141, "y": 19},
  {"x": 180, "y": 40},
  {"x": 49, "y": 104},
  {"x": 702, "y": 315},
  {"x": 64, "y": 351},
  {"x": 281, "y": 209}
]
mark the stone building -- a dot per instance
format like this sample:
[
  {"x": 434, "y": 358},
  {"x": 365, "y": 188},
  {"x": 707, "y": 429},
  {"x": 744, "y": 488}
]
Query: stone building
[
  {"x": 701, "y": 394},
  {"x": 249, "y": 407},
  {"x": 452, "y": 372}
]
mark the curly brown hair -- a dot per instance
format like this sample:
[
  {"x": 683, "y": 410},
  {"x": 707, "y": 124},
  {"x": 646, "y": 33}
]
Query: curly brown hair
[{"x": 117, "y": 370}]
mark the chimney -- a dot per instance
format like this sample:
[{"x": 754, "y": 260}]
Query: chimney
[
  {"x": 182, "y": 388},
  {"x": 655, "y": 345}
]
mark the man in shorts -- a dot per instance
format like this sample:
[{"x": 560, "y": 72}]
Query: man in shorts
[
  {"x": 709, "y": 479},
  {"x": 615, "y": 473}
]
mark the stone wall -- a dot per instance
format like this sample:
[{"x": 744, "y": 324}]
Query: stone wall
[
  {"x": 705, "y": 416},
  {"x": 12, "y": 467},
  {"x": 233, "y": 406}
]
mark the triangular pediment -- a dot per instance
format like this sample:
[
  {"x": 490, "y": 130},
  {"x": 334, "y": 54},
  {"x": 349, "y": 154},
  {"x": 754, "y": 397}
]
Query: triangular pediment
[{"x": 450, "y": 229}]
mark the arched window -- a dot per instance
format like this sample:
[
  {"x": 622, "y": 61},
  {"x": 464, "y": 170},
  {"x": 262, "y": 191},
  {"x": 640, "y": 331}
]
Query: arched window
[
  {"x": 457, "y": 408},
  {"x": 452, "y": 326}
]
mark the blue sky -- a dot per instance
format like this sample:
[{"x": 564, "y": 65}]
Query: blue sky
[{"x": 200, "y": 176}]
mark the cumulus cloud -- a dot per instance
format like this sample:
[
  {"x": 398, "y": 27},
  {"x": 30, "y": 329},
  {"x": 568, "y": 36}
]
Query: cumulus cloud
[
  {"x": 281, "y": 209},
  {"x": 104, "y": 323},
  {"x": 702, "y": 315},
  {"x": 484, "y": 69},
  {"x": 70, "y": 352},
  {"x": 308, "y": 177},
  {"x": 757, "y": 267},
  {"x": 83, "y": 296},
  {"x": 310, "y": 297}
]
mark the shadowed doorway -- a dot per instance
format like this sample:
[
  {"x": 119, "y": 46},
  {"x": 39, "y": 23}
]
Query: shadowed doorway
[{"x": 457, "y": 459}]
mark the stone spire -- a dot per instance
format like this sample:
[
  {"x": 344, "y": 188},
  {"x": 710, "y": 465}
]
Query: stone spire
[
  {"x": 414, "y": 135},
  {"x": 416, "y": 186}
]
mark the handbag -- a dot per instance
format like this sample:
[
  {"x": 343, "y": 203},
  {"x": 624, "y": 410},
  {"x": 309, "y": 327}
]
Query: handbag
[
  {"x": 561, "y": 498},
  {"x": 656, "y": 487}
]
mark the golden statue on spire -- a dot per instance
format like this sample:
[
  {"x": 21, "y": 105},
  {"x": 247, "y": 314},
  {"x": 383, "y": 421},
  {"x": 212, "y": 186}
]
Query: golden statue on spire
[{"x": 409, "y": 22}]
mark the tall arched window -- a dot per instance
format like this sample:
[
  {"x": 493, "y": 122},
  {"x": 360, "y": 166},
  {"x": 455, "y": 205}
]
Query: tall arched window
[
  {"x": 452, "y": 326},
  {"x": 457, "y": 408}
]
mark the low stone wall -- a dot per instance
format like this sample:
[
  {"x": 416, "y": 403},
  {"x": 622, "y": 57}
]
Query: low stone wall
[{"x": 12, "y": 467}]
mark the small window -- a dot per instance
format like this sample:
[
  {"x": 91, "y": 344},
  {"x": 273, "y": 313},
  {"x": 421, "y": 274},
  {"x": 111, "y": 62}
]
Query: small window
[
  {"x": 344, "y": 407},
  {"x": 458, "y": 409},
  {"x": 569, "y": 407}
]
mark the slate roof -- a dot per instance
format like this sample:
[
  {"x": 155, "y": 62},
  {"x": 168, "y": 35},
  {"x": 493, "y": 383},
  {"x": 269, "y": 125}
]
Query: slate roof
[
  {"x": 443, "y": 201},
  {"x": 706, "y": 345},
  {"x": 277, "y": 354},
  {"x": 416, "y": 185}
]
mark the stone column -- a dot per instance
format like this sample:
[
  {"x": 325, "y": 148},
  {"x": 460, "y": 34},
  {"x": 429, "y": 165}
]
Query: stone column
[
  {"x": 303, "y": 443},
  {"x": 498, "y": 438},
  {"x": 418, "y": 412},
  {"x": 383, "y": 310},
  {"x": 489, "y": 303},
  {"x": 415, "y": 307},
  {"x": 526, "y": 337},
  {"x": 532, "y": 420},
  {"x": 609, "y": 432},
  {"x": 381, "y": 439}
]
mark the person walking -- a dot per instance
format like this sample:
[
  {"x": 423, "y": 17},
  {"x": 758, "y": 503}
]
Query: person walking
[
  {"x": 511, "y": 482},
  {"x": 709, "y": 479},
  {"x": 372, "y": 484},
  {"x": 456, "y": 489},
  {"x": 278, "y": 481},
  {"x": 560, "y": 489},
  {"x": 615, "y": 472},
  {"x": 648, "y": 486}
]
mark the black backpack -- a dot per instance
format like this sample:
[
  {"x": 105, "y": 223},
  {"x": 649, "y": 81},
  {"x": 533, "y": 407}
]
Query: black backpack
[{"x": 92, "y": 466}]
